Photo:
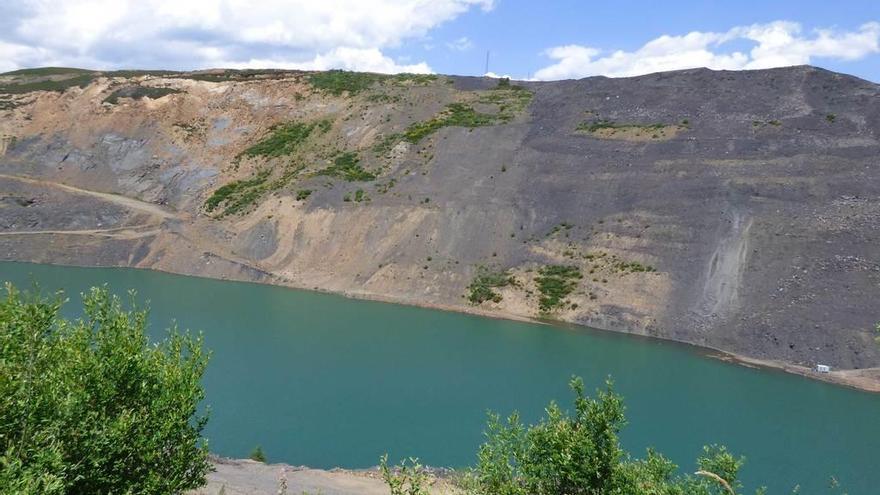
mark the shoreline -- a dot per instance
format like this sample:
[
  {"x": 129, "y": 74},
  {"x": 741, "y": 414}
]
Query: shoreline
[
  {"x": 864, "y": 380},
  {"x": 244, "y": 476}
]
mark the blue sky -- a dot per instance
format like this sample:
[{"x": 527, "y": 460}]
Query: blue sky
[
  {"x": 545, "y": 40},
  {"x": 517, "y": 32}
]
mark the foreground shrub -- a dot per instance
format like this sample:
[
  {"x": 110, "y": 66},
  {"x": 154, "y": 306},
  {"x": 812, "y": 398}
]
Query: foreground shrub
[
  {"x": 90, "y": 406},
  {"x": 576, "y": 453}
]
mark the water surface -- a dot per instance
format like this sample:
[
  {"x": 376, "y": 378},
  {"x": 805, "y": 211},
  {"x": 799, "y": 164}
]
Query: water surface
[{"x": 326, "y": 381}]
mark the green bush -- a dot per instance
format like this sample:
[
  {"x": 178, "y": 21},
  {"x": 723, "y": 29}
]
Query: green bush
[
  {"x": 91, "y": 406},
  {"x": 455, "y": 115},
  {"x": 284, "y": 139},
  {"x": 239, "y": 194},
  {"x": 347, "y": 166},
  {"x": 555, "y": 282},
  {"x": 257, "y": 454},
  {"x": 303, "y": 194},
  {"x": 579, "y": 453},
  {"x": 407, "y": 478},
  {"x": 482, "y": 287}
]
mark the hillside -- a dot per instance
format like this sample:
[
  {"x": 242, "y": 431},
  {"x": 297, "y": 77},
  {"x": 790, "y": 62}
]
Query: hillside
[{"x": 733, "y": 210}]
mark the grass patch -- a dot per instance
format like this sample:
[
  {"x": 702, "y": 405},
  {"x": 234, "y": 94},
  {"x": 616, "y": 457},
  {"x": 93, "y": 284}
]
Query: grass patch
[
  {"x": 764, "y": 123},
  {"x": 47, "y": 71},
  {"x": 238, "y": 195},
  {"x": 303, "y": 194},
  {"x": 347, "y": 166},
  {"x": 360, "y": 195},
  {"x": 455, "y": 115},
  {"x": 482, "y": 287},
  {"x": 414, "y": 79},
  {"x": 511, "y": 100},
  {"x": 555, "y": 283},
  {"x": 284, "y": 139},
  {"x": 58, "y": 86},
  {"x": 633, "y": 267},
  {"x": 337, "y": 82},
  {"x": 138, "y": 92},
  {"x": 596, "y": 125}
]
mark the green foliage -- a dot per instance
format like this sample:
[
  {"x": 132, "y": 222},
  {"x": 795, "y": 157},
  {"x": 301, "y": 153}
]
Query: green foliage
[
  {"x": 360, "y": 195},
  {"x": 303, "y": 194},
  {"x": 555, "y": 282},
  {"x": 239, "y": 194},
  {"x": 596, "y": 125},
  {"x": 455, "y": 115},
  {"x": 877, "y": 333},
  {"x": 257, "y": 454},
  {"x": 831, "y": 118},
  {"x": 347, "y": 166},
  {"x": 510, "y": 99},
  {"x": 91, "y": 406},
  {"x": 633, "y": 267},
  {"x": 58, "y": 86},
  {"x": 413, "y": 79},
  {"x": 284, "y": 139},
  {"x": 407, "y": 478},
  {"x": 337, "y": 82},
  {"x": 481, "y": 288},
  {"x": 579, "y": 453},
  {"x": 47, "y": 71},
  {"x": 138, "y": 92}
]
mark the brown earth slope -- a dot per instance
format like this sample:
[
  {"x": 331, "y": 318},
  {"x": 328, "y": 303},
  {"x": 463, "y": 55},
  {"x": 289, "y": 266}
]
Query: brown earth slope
[{"x": 733, "y": 210}]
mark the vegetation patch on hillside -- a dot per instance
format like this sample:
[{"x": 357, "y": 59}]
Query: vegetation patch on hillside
[
  {"x": 138, "y": 92},
  {"x": 555, "y": 283},
  {"x": 285, "y": 139},
  {"x": 22, "y": 86},
  {"x": 337, "y": 82},
  {"x": 239, "y": 194},
  {"x": 347, "y": 166},
  {"x": 482, "y": 287},
  {"x": 511, "y": 99},
  {"x": 406, "y": 78},
  {"x": 455, "y": 115},
  {"x": 607, "y": 129}
]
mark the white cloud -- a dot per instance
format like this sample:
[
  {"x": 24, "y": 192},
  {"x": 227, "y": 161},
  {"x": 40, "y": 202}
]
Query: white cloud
[
  {"x": 460, "y": 45},
  {"x": 362, "y": 59},
  {"x": 776, "y": 44},
  {"x": 207, "y": 33}
]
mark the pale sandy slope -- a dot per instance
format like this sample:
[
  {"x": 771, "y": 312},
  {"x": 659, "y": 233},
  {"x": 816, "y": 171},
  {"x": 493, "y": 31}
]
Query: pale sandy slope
[{"x": 233, "y": 477}]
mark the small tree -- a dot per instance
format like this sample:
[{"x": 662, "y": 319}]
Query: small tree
[
  {"x": 258, "y": 455},
  {"x": 407, "y": 478},
  {"x": 90, "y": 406}
]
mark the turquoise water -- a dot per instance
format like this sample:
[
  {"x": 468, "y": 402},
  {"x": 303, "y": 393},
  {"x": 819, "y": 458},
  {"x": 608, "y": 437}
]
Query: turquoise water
[{"x": 326, "y": 381}]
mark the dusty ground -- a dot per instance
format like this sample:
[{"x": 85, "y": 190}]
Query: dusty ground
[
  {"x": 234, "y": 476},
  {"x": 756, "y": 206}
]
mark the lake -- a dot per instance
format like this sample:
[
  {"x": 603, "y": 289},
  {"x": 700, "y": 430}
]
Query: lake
[{"x": 324, "y": 381}]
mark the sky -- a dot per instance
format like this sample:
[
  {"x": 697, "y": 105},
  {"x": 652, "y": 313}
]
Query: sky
[{"x": 543, "y": 40}]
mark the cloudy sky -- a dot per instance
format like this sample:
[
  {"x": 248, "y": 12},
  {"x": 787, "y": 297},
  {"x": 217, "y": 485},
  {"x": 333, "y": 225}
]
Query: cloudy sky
[{"x": 550, "y": 39}]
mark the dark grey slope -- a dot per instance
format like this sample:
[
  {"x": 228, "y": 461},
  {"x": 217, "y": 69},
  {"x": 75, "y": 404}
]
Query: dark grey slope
[{"x": 772, "y": 230}]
